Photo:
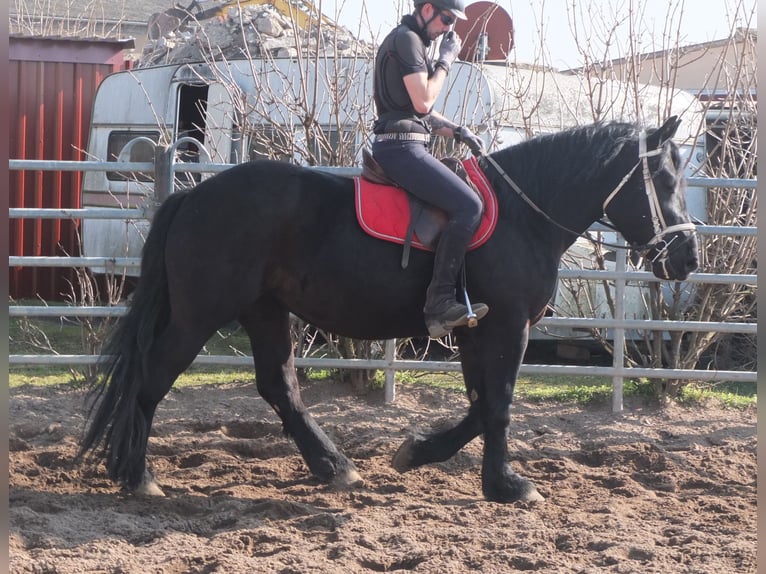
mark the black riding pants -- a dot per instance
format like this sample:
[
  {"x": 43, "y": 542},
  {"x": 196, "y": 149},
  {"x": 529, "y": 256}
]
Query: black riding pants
[{"x": 411, "y": 165}]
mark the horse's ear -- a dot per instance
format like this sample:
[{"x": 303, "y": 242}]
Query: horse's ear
[{"x": 664, "y": 133}]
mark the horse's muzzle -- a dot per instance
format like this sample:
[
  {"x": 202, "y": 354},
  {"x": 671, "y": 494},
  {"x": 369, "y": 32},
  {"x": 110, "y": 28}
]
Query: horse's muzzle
[{"x": 675, "y": 256}]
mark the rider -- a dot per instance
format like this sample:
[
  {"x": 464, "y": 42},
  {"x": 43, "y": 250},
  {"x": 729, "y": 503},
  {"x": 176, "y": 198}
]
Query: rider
[{"x": 406, "y": 85}]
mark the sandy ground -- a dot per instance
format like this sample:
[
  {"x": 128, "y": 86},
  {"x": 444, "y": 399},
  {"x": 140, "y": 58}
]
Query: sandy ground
[{"x": 653, "y": 491}]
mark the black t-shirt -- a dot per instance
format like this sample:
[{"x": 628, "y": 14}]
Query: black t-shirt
[{"x": 401, "y": 53}]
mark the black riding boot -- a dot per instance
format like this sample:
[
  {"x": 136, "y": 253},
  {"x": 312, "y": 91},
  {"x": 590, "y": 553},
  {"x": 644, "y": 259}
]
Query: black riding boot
[{"x": 442, "y": 311}]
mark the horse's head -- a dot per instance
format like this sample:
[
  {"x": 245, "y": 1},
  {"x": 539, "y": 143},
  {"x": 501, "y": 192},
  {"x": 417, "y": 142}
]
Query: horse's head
[{"x": 649, "y": 205}]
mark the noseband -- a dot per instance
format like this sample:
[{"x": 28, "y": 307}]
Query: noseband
[{"x": 659, "y": 226}]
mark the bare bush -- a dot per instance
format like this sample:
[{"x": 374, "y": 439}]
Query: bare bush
[{"x": 728, "y": 128}]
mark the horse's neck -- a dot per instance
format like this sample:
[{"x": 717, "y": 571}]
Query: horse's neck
[
  {"x": 575, "y": 208},
  {"x": 566, "y": 211},
  {"x": 569, "y": 176}
]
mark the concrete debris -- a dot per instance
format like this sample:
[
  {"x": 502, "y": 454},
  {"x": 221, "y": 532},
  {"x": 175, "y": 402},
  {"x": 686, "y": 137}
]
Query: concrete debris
[{"x": 255, "y": 32}]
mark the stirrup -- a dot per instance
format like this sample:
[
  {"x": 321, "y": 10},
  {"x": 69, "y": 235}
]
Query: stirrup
[
  {"x": 457, "y": 315},
  {"x": 473, "y": 318}
]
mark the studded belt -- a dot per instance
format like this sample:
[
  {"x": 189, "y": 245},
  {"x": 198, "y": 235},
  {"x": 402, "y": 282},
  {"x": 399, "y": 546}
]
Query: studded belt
[{"x": 403, "y": 136}]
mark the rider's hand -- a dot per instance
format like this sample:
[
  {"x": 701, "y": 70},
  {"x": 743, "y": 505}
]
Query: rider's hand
[
  {"x": 474, "y": 142},
  {"x": 449, "y": 49}
]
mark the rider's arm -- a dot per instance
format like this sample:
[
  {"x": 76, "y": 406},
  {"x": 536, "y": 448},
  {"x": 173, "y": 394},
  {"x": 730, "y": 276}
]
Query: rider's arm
[
  {"x": 423, "y": 92},
  {"x": 441, "y": 126}
]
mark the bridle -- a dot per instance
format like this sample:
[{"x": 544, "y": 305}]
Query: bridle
[{"x": 659, "y": 227}]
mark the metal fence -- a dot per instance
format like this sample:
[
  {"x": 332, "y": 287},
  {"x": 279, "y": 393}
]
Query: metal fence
[{"x": 390, "y": 364}]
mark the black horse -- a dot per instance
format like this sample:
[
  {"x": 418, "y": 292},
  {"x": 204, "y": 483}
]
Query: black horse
[{"x": 264, "y": 239}]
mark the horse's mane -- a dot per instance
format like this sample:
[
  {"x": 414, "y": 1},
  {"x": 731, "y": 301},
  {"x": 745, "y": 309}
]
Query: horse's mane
[{"x": 566, "y": 157}]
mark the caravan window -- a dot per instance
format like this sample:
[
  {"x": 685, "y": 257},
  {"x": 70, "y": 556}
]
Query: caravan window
[
  {"x": 270, "y": 143},
  {"x": 141, "y": 151},
  {"x": 336, "y": 147}
]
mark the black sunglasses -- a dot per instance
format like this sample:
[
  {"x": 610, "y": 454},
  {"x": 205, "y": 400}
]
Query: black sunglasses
[{"x": 446, "y": 19}]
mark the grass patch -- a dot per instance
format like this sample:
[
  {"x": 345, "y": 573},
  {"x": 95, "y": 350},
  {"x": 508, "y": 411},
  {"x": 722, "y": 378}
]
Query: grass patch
[
  {"x": 67, "y": 336},
  {"x": 730, "y": 395},
  {"x": 584, "y": 390},
  {"x": 581, "y": 389},
  {"x": 580, "y": 394},
  {"x": 589, "y": 390},
  {"x": 448, "y": 381},
  {"x": 540, "y": 388},
  {"x": 43, "y": 376},
  {"x": 29, "y": 337},
  {"x": 194, "y": 376}
]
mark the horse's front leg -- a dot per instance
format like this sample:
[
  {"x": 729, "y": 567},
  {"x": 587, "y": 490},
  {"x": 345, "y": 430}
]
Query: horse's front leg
[
  {"x": 490, "y": 367},
  {"x": 420, "y": 449}
]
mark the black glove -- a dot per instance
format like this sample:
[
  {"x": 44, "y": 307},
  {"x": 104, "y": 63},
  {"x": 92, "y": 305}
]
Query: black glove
[
  {"x": 448, "y": 50},
  {"x": 474, "y": 142}
]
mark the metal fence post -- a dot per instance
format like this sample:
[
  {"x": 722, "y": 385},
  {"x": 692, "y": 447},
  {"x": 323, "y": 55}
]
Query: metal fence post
[
  {"x": 618, "y": 359},
  {"x": 163, "y": 173},
  {"x": 390, "y": 371}
]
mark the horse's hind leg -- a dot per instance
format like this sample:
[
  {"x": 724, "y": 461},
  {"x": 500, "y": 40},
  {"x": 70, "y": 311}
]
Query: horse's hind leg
[
  {"x": 268, "y": 326},
  {"x": 169, "y": 356}
]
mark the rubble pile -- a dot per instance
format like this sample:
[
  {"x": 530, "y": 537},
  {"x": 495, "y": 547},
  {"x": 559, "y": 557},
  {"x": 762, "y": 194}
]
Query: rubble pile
[{"x": 257, "y": 32}]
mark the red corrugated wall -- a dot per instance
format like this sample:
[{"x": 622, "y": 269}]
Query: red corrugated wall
[{"x": 52, "y": 84}]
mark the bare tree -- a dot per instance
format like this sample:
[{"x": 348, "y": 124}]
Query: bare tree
[
  {"x": 727, "y": 126},
  {"x": 68, "y": 19}
]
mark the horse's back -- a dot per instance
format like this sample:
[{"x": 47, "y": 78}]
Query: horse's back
[
  {"x": 265, "y": 174},
  {"x": 266, "y": 188},
  {"x": 261, "y": 207}
]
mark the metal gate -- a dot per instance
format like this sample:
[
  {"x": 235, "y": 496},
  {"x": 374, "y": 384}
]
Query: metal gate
[{"x": 390, "y": 364}]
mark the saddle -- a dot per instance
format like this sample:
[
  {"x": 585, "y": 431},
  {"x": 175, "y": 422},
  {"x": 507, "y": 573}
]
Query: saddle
[{"x": 387, "y": 211}]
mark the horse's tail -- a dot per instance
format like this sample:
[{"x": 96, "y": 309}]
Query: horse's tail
[{"x": 116, "y": 418}]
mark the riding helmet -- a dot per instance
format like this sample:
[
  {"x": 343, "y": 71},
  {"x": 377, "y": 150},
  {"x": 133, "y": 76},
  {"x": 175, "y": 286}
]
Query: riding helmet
[{"x": 457, "y": 7}]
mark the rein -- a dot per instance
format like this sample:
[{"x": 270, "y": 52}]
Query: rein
[{"x": 659, "y": 226}]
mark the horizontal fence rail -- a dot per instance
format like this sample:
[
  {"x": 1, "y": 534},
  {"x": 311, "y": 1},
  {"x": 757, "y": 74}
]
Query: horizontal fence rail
[
  {"x": 420, "y": 366},
  {"x": 573, "y": 322},
  {"x": 564, "y": 273},
  {"x": 390, "y": 364}
]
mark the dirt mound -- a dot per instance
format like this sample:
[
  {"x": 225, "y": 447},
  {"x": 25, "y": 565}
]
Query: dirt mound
[{"x": 669, "y": 490}]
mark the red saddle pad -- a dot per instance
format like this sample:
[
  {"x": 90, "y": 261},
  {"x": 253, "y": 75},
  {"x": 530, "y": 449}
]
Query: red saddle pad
[{"x": 384, "y": 211}]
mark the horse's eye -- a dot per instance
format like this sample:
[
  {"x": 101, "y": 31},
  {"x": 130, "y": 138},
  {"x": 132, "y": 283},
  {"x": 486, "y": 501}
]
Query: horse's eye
[{"x": 666, "y": 179}]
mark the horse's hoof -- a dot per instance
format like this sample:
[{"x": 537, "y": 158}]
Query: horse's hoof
[
  {"x": 513, "y": 488},
  {"x": 348, "y": 480},
  {"x": 532, "y": 496},
  {"x": 148, "y": 486},
  {"x": 527, "y": 492},
  {"x": 402, "y": 460}
]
